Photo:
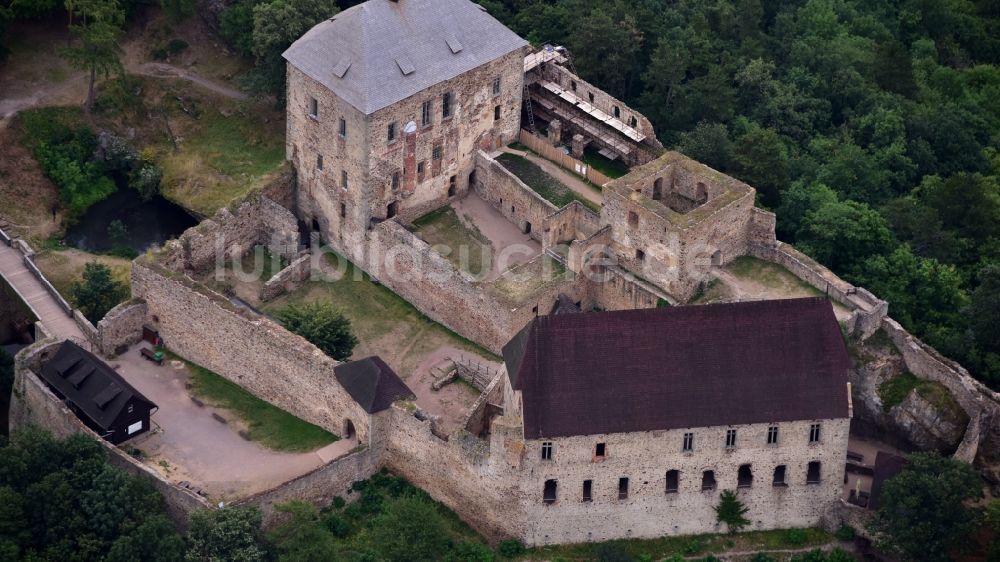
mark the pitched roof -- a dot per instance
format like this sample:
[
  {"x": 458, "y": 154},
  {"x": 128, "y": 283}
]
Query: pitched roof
[
  {"x": 378, "y": 53},
  {"x": 886, "y": 466},
  {"x": 689, "y": 366},
  {"x": 372, "y": 383},
  {"x": 90, "y": 384}
]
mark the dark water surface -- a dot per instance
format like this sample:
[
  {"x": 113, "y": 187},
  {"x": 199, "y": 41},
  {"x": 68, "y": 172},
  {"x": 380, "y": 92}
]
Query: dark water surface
[{"x": 149, "y": 223}]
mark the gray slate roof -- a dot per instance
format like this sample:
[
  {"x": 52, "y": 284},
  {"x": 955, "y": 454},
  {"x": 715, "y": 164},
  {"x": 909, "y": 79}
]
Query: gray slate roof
[
  {"x": 372, "y": 383},
  {"x": 380, "y": 52}
]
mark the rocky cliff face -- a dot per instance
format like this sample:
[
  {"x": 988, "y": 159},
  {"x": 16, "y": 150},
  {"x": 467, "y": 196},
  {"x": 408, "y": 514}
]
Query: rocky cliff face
[{"x": 926, "y": 425}]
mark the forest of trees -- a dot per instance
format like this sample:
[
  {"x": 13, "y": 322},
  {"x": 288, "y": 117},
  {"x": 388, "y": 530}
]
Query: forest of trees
[{"x": 871, "y": 127}]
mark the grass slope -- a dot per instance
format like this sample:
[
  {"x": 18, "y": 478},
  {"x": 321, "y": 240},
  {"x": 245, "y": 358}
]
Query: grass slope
[{"x": 541, "y": 182}]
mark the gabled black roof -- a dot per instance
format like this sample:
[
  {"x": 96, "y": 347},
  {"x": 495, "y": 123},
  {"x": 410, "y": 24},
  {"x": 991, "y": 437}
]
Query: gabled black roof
[
  {"x": 372, "y": 383},
  {"x": 679, "y": 367},
  {"x": 91, "y": 385}
]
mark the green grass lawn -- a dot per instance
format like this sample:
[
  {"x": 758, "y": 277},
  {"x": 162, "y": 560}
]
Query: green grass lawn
[
  {"x": 545, "y": 185},
  {"x": 614, "y": 169},
  {"x": 895, "y": 390},
  {"x": 466, "y": 248},
  {"x": 267, "y": 424}
]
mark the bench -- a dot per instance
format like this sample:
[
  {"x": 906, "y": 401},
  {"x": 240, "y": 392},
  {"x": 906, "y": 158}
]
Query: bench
[{"x": 154, "y": 356}]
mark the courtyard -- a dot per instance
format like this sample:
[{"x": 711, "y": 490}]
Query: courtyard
[{"x": 211, "y": 448}]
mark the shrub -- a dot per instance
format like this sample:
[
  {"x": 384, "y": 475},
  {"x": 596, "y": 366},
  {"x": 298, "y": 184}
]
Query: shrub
[
  {"x": 795, "y": 537},
  {"x": 146, "y": 180},
  {"x": 510, "y": 548},
  {"x": 98, "y": 292},
  {"x": 731, "y": 511},
  {"x": 159, "y": 53},
  {"x": 339, "y": 502},
  {"x": 337, "y": 525},
  {"x": 612, "y": 552},
  {"x": 410, "y": 529},
  {"x": 762, "y": 557},
  {"x": 176, "y": 45},
  {"x": 323, "y": 325},
  {"x": 845, "y": 533},
  {"x": 470, "y": 552}
]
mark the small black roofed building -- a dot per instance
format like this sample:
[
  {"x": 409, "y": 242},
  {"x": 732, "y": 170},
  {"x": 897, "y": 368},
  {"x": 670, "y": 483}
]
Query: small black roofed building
[
  {"x": 97, "y": 394},
  {"x": 635, "y": 421},
  {"x": 372, "y": 384}
]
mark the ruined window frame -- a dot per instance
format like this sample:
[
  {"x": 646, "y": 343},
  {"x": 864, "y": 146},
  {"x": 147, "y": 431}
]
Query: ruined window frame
[
  {"x": 391, "y": 133},
  {"x": 706, "y": 485},
  {"x": 496, "y": 113},
  {"x": 395, "y": 180},
  {"x": 633, "y": 219},
  {"x": 496, "y": 86},
  {"x": 319, "y": 162},
  {"x": 744, "y": 481},
  {"x": 547, "y": 497},
  {"x": 676, "y": 481},
  {"x": 588, "y": 491},
  {"x": 814, "y": 476},
  {"x": 427, "y": 113},
  {"x": 436, "y": 152},
  {"x": 601, "y": 450},
  {"x": 343, "y": 179},
  {"x": 447, "y": 100},
  {"x": 623, "y": 488},
  {"x": 778, "y": 479}
]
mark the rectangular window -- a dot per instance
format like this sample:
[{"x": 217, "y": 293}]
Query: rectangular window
[
  {"x": 319, "y": 161},
  {"x": 779, "y": 476},
  {"x": 343, "y": 179},
  {"x": 314, "y": 108},
  {"x": 633, "y": 219},
  {"x": 812, "y": 473},
  {"x": 730, "y": 438},
  {"x": 496, "y": 113},
  {"x": 623, "y": 488},
  {"x": 549, "y": 494},
  {"x": 814, "y": 433},
  {"x": 640, "y": 255},
  {"x": 446, "y": 105},
  {"x": 343, "y": 127},
  {"x": 496, "y": 86},
  {"x": 395, "y": 180},
  {"x": 588, "y": 490},
  {"x": 708, "y": 480},
  {"x": 392, "y": 132},
  {"x": 547, "y": 451},
  {"x": 772, "y": 435},
  {"x": 436, "y": 153},
  {"x": 600, "y": 450},
  {"x": 673, "y": 481},
  {"x": 744, "y": 476},
  {"x": 425, "y": 113},
  {"x": 420, "y": 167},
  {"x": 343, "y": 210},
  {"x": 688, "y": 444}
]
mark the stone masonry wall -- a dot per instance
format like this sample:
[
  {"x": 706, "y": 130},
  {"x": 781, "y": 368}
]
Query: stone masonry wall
[
  {"x": 121, "y": 327},
  {"x": 287, "y": 279},
  {"x": 250, "y": 350},
  {"x": 517, "y": 202},
  {"x": 645, "y": 457}
]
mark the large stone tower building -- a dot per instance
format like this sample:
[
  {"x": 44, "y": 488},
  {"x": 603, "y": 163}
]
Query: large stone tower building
[{"x": 388, "y": 102}]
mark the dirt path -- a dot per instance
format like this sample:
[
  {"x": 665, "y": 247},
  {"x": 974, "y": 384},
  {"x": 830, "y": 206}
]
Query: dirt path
[
  {"x": 569, "y": 180},
  {"x": 164, "y": 70},
  {"x": 510, "y": 246},
  {"x": 453, "y": 401}
]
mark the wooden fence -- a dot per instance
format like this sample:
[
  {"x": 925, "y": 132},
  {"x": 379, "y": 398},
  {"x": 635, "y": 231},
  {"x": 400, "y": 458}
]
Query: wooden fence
[{"x": 546, "y": 150}]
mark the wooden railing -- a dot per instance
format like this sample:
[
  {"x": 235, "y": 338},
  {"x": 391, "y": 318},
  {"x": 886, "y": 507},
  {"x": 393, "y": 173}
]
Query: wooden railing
[{"x": 546, "y": 150}]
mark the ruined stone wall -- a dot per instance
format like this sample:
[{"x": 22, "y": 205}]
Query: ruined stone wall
[
  {"x": 250, "y": 350},
  {"x": 762, "y": 225},
  {"x": 319, "y": 486},
  {"x": 617, "y": 290},
  {"x": 287, "y": 279},
  {"x": 233, "y": 231},
  {"x": 121, "y": 327},
  {"x": 517, "y": 202},
  {"x": 645, "y": 457},
  {"x": 572, "y": 222},
  {"x": 469, "y": 475},
  {"x": 33, "y": 404}
]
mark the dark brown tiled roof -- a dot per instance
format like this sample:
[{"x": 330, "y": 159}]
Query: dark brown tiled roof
[
  {"x": 372, "y": 383},
  {"x": 887, "y": 465},
  {"x": 689, "y": 366}
]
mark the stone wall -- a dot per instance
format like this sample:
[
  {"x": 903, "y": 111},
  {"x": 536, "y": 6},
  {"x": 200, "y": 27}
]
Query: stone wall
[
  {"x": 251, "y": 350},
  {"x": 319, "y": 486},
  {"x": 644, "y": 458},
  {"x": 121, "y": 327},
  {"x": 517, "y": 202},
  {"x": 34, "y": 404}
]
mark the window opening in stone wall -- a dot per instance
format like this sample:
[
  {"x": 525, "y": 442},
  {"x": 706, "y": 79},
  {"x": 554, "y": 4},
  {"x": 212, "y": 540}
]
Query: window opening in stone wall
[
  {"x": 547, "y": 451},
  {"x": 588, "y": 490},
  {"x": 472, "y": 181},
  {"x": 623, "y": 488},
  {"x": 730, "y": 438},
  {"x": 425, "y": 113},
  {"x": 390, "y": 210},
  {"x": 315, "y": 225},
  {"x": 343, "y": 179},
  {"x": 632, "y": 122},
  {"x": 319, "y": 161},
  {"x": 549, "y": 494},
  {"x": 446, "y": 105},
  {"x": 708, "y": 480},
  {"x": 687, "y": 444},
  {"x": 527, "y": 228},
  {"x": 744, "y": 476},
  {"x": 772, "y": 435},
  {"x": 395, "y": 180},
  {"x": 812, "y": 473},
  {"x": 436, "y": 153},
  {"x": 496, "y": 113},
  {"x": 658, "y": 189},
  {"x": 313, "y": 108},
  {"x": 452, "y": 186},
  {"x": 673, "y": 481},
  {"x": 618, "y": 112},
  {"x": 633, "y": 219},
  {"x": 814, "y": 430},
  {"x": 600, "y": 450},
  {"x": 343, "y": 127},
  {"x": 590, "y": 96},
  {"x": 779, "y": 476},
  {"x": 640, "y": 255},
  {"x": 572, "y": 85},
  {"x": 496, "y": 86},
  {"x": 391, "y": 135},
  {"x": 343, "y": 210}
]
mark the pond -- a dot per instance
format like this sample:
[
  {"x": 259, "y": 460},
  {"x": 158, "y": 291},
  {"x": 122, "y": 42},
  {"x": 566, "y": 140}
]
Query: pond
[{"x": 147, "y": 223}]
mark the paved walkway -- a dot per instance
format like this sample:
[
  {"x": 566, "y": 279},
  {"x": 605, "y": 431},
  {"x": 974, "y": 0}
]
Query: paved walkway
[
  {"x": 34, "y": 294},
  {"x": 568, "y": 179}
]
